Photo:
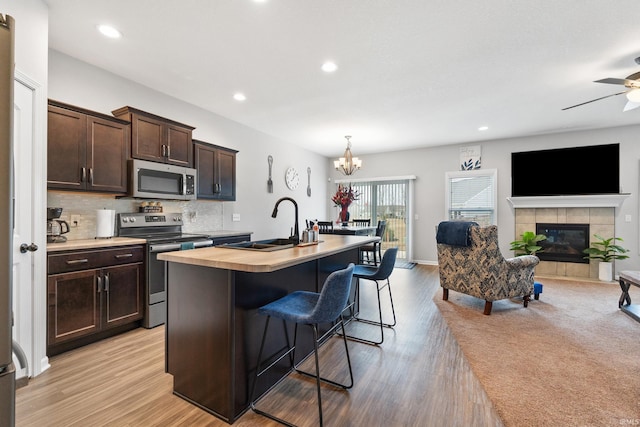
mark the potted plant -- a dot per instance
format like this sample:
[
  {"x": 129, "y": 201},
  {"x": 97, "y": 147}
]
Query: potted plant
[
  {"x": 606, "y": 251},
  {"x": 528, "y": 243}
]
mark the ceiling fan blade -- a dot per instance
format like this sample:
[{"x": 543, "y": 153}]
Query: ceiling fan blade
[
  {"x": 626, "y": 82},
  {"x": 631, "y": 105},
  {"x": 597, "y": 99},
  {"x": 614, "y": 81}
]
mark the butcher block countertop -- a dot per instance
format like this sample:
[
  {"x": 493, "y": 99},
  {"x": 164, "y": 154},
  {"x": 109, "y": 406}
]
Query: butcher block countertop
[
  {"x": 93, "y": 243},
  {"x": 265, "y": 262}
]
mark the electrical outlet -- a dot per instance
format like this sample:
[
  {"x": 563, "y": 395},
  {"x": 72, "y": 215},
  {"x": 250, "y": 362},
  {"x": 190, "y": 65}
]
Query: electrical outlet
[
  {"x": 75, "y": 221},
  {"x": 235, "y": 217}
]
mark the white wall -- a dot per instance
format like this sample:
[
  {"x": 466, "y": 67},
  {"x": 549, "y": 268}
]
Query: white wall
[
  {"x": 31, "y": 45},
  {"x": 430, "y": 165},
  {"x": 86, "y": 86},
  {"x": 31, "y": 36}
]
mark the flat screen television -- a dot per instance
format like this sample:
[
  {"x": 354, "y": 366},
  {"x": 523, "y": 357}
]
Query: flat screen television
[{"x": 566, "y": 171}]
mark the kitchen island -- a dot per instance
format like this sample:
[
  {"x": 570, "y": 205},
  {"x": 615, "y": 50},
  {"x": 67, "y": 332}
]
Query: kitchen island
[{"x": 213, "y": 330}]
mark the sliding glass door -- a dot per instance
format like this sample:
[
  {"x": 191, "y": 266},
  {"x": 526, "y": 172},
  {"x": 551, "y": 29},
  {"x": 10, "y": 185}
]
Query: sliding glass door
[{"x": 389, "y": 201}]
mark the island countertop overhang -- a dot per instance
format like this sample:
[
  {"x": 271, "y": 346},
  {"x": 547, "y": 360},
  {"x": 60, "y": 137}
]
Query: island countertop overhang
[{"x": 265, "y": 262}]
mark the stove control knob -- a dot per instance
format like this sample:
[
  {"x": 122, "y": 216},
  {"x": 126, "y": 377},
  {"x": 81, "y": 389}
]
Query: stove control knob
[
  {"x": 132, "y": 219},
  {"x": 125, "y": 219}
]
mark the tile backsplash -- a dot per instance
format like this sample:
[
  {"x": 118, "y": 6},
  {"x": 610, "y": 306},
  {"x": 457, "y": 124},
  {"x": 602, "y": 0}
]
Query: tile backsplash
[{"x": 198, "y": 216}]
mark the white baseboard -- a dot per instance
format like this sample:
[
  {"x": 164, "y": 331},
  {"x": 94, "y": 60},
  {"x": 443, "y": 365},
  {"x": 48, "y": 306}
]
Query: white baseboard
[{"x": 425, "y": 262}]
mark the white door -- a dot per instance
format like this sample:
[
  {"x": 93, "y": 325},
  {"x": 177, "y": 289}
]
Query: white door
[{"x": 23, "y": 222}]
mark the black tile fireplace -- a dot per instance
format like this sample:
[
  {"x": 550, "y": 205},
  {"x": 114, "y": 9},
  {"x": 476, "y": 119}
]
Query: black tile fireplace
[{"x": 565, "y": 242}]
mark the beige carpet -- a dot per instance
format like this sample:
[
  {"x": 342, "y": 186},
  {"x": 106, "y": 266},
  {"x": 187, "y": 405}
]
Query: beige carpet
[{"x": 571, "y": 358}]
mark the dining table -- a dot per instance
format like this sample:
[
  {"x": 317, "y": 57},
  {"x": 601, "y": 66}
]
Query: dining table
[{"x": 352, "y": 230}]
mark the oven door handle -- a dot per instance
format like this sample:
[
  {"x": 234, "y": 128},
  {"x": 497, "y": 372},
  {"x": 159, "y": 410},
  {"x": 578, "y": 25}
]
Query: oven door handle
[
  {"x": 168, "y": 247},
  {"x": 203, "y": 243}
]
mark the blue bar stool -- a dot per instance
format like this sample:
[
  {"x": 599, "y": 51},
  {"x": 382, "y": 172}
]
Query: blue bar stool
[
  {"x": 311, "y": 309},
  {"x": 379, "y": 274}
]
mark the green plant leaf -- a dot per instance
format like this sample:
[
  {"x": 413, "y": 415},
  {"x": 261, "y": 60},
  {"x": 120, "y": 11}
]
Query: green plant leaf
[{"x": 605, "y": 249}]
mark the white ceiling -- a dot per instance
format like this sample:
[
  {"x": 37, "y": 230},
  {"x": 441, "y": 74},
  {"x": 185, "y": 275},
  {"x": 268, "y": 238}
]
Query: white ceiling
[{"x": 412, "y": 73}]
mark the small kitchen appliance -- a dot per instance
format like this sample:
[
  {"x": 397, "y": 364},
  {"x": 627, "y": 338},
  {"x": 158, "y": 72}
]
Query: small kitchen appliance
[{"x": 56, "y": 227}]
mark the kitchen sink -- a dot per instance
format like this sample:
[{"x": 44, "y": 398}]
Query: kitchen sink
[{"x": 268, "y": 245}]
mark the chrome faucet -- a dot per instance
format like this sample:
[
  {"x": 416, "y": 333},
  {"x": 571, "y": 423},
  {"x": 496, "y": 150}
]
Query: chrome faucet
[{"x": 295, "y": 237}]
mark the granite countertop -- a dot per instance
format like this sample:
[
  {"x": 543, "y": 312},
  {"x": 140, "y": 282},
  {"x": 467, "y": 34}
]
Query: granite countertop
[
  {"x": 93, "y": 243},
  {"x": 262, "y": 262}
]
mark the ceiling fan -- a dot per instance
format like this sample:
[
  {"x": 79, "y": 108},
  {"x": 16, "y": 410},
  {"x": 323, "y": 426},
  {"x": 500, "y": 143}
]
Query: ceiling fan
[{"x": 631, "y": 82}]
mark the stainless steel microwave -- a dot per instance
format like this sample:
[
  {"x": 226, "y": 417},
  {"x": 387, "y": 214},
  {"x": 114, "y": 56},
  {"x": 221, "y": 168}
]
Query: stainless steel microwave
[{"x": 161, "y": 181}]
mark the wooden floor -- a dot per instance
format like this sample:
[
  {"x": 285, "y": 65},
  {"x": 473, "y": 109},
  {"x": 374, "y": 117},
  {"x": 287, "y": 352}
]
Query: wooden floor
[{"x": 417, "y": 377}]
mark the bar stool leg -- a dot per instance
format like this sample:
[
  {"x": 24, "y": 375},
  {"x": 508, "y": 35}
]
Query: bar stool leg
[
  {"x": 291, "y": 352},
  {"x": 355, "y": 315}
]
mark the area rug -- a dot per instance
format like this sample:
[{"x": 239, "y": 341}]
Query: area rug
[
  {"x": 571, "y": 358},
  {"x": 405, "y": 264}
]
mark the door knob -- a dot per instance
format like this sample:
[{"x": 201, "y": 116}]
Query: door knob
[{"x": 31, "y": 248}]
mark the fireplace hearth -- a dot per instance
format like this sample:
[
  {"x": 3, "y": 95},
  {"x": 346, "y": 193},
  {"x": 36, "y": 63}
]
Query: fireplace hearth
[{"x": 564, "y": 243}]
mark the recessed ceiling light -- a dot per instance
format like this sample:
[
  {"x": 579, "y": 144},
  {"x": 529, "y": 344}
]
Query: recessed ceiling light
[
  {"x": 329, "y": 67},
  {"x": 481, "y": 128},
  {"x": 239, "y": 97},
  {"x": 109, "y": 31}
]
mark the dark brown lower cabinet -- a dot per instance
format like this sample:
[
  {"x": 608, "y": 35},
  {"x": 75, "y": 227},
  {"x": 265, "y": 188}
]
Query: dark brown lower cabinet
[{"x": 93, "y": 294}]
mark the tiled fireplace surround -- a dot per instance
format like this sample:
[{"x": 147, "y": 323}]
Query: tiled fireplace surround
[{"x": 601, "y": 221}]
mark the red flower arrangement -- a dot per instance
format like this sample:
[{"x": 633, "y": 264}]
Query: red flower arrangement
[{"x": 344, "y": 197}]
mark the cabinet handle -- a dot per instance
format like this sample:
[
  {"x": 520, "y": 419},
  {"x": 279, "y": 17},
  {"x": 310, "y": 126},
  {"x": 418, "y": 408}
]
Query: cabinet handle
[
  {"x": 83, "y": 178},
  {"x": 77, "y": 261},
  {"x": 163, "y": 151},
  {"x": 216, "y": 188},
  {"x": 121, "y": 256},
  {"x": 168, "y": 150},
  {"x": 106, "y": 282},
  {"x": 91, "y": 176},
  {"x": 99, "y": 283}
]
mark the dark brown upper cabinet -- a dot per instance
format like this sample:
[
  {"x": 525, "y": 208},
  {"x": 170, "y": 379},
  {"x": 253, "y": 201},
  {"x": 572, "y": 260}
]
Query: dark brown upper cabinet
[
  {"x": 216, "y": 171},
  {"x": 158, "y": 139},
  {"x": 86, "y": 150}
]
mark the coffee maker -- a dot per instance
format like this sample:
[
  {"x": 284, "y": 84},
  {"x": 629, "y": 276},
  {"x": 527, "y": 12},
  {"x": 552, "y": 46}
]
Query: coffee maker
[{"x": 56, "y": 227}]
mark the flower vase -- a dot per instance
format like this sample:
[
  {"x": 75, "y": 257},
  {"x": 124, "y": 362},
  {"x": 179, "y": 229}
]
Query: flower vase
[{"x": 344, "y": 215}]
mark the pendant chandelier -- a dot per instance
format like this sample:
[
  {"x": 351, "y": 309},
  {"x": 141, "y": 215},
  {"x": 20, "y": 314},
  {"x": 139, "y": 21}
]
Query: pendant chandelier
[{"x": 347, "y": 164}]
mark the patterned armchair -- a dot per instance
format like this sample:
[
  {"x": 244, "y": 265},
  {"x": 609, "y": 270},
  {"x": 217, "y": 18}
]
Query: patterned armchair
[{"x": 470, "y": 262}]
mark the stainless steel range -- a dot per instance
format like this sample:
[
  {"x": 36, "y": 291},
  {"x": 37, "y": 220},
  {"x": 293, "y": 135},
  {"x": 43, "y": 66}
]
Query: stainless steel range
[{"x": 163, "y": 233}]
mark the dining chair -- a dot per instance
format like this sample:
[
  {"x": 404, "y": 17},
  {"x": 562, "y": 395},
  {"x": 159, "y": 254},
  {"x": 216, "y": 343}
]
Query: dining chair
[
  {"x": 380, "y": 276},
  {"x": 362, "y": 222},
  {"x": 376, "y": 247},
  {"x": 311, "y": 309},
  {"x": 325, "y": 227}
]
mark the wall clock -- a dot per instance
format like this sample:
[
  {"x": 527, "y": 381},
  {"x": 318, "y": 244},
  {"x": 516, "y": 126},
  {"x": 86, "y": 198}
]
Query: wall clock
[{"x": 292, "y": 178}]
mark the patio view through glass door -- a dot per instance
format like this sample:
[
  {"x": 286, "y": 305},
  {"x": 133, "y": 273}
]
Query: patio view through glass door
[{"x": 389, "y": 201}]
